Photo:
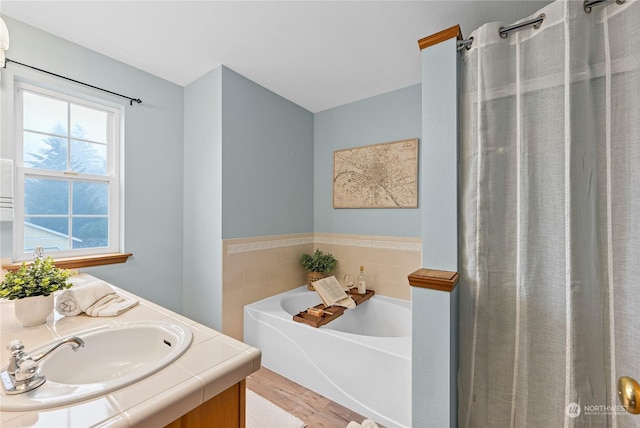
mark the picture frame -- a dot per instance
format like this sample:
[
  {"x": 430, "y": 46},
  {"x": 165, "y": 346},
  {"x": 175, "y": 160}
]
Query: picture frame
[{"x": 383, "y": 175}]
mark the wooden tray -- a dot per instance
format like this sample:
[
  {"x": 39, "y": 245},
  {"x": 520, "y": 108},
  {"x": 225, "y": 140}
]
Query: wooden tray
[{"x": 332, "y": 312}]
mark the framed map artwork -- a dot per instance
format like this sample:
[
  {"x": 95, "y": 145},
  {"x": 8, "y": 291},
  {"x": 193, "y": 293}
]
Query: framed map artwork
[{"x": 376, "y": 176}]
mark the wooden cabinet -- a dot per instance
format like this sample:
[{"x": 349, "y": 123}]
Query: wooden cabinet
[{"x": 225, "y": 410}]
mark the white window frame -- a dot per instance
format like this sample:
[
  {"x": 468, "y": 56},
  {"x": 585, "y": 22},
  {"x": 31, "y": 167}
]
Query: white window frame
[{"x": 112, "y": 177}]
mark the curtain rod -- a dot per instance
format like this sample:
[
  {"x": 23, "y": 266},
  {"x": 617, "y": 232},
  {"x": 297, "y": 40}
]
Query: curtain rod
[
  {"x": 505, "y": 31},
  {"x": 535, "y": 22},
  {"x": 588, "y": 4},
  {"x": 131, "y": 100}
]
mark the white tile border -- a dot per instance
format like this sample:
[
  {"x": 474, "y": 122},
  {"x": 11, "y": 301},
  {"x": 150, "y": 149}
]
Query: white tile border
[
  {"x": 267, "y": 245},
  {"x": 368, "y": 242}
]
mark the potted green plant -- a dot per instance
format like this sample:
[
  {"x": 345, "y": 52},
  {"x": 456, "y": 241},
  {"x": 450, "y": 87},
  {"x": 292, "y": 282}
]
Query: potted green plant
[
  {"x": 32, "y": 287},
  {"x": 318, "y": 265}
]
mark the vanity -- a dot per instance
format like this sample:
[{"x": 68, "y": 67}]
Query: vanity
[{"x": 203, "y": 385}]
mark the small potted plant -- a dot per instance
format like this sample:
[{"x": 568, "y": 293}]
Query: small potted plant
[
  {"x": 318, "y": 265},
  {"x": 31, "y": 286}
]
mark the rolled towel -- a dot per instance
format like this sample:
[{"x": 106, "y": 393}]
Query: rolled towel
[
  {"x": 111, "y": 306},
  {"x": 367, "y": 423},
  {"x": 96, "y": 299}
]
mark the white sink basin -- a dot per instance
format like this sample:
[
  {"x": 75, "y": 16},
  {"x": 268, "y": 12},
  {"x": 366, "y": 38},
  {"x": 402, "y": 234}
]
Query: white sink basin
[{"x": 113, "y": 356}]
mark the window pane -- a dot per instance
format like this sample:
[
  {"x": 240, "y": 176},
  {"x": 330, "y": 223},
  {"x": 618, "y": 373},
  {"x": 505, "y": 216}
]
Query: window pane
[
  {"x": 51, "y": 233},
  {"x": 46, "y": 197},
  {"x": 89, "y": 158},
  {"x": 88, "y": 124},
  {"x": 68, "y": 213},
  {"x": 44, "y": 114},
  {"x": 90, "y": 232},
  {"x": 45, "y": 152},
  {"x": 90, "y": 198}
]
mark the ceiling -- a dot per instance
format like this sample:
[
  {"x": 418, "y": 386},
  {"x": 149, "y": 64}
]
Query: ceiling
[{"x": 318, "y": 54}]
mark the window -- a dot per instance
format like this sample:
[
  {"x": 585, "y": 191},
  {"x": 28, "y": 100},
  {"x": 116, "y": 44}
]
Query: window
[{"x": 68, "y": 175}]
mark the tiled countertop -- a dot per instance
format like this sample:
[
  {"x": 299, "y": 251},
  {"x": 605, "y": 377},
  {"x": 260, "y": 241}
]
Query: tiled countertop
[{"x": 213, "y": 363}]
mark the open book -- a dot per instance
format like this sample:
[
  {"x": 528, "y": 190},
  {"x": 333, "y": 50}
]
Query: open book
[{"x": 332, "y": 294}]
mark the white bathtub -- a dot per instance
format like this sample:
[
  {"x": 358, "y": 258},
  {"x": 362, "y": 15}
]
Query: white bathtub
[{"x": 361, "y": 360}]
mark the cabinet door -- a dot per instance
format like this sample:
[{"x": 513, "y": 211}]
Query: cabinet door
[{"x": 225, "y": 410}]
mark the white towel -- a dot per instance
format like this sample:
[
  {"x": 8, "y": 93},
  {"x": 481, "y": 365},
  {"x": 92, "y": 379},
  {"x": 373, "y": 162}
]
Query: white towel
[
  {"x": 96, "y": 299},
  {"x": 4, "y": 41},
  {"x": 367, "y": 423}
]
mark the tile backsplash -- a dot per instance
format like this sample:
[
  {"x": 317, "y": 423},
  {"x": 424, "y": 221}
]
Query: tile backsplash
[{"x": 260, "y": 267}]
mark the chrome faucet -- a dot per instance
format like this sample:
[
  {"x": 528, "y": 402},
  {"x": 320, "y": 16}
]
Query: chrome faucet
[{"x": 23, "y": 372}]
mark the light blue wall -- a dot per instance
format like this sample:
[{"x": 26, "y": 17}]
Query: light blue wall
[
  {"x": 384, "y": 118},
  {"x": 202, "y": 262},
  {"x": 267, "y": 161},
  {"x": 152, "y": 149},
  {"x": 248, "y": 171},
  {"x": 434, "y": 313}
]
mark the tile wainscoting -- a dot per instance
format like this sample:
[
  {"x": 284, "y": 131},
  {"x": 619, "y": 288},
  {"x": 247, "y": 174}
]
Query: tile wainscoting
[
  {"x": 387, "y": 260},
  {"x": 260, "y": 267},
  {"x": 256, "y": 268}
]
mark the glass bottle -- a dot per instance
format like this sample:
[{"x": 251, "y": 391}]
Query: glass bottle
[{"x": 362, "y": 282}]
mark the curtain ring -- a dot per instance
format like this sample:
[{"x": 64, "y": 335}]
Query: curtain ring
[{"x": 539, "y": 24}]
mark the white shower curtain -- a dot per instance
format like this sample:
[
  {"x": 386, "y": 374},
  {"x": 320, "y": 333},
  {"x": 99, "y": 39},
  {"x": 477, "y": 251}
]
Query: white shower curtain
[{"x": 550, "y": 220}]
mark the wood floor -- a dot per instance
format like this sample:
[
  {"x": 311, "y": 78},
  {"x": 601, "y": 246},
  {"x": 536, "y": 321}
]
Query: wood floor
[{"x": 311, "y": 408}]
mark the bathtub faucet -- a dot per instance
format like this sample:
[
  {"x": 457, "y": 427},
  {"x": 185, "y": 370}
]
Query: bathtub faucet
[{"x": 23, "y": 372}]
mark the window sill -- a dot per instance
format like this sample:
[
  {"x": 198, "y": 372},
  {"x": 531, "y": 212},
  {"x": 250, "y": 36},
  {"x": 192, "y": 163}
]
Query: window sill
[{"x": 80, "y": 262}]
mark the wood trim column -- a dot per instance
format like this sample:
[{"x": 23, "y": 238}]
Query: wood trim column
[
  {"x": 434, "y": 298},
  {"x": 434, "y": 279},
  {"x": 440, "y": 36}
]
